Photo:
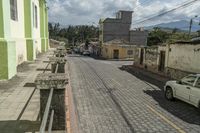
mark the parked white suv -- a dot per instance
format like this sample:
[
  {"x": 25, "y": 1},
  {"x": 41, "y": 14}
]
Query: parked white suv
[{"x": 187, "y": 89}]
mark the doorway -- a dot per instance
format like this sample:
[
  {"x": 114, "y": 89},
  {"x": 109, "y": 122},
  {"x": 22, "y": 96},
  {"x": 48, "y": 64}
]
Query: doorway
[
  {"x": 141, "y": 56},
  {"x": 162, "y": 61},
  {"x": 116, "y": 54}
]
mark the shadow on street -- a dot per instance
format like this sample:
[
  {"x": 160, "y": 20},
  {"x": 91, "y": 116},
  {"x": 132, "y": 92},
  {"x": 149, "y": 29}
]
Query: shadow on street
[
  {"x": 22, "y": 126},
  {"x": 145, "y": 78},
  {"x": 182, "y": 110}
]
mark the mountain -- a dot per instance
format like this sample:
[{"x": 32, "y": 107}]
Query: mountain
[{"x": 182, "y": 25}]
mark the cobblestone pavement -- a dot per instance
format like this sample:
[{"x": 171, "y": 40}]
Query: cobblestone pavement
[{"x": 109, "y": 100}]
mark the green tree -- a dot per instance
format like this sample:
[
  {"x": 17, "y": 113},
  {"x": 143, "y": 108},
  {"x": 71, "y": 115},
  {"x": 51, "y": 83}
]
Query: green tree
[
  {"x": 198, "y": 32},
  {"x": 73, "y": 34},
  {"x": 157, "y": 36}
]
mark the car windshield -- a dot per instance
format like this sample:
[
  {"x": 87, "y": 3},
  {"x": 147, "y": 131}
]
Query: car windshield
[
  {"x": 198, "y": 83},
  {"x": 189, "y": 80}
]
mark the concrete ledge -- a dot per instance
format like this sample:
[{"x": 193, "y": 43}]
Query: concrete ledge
[
  {"x": 51, "y": 80},
  {"x": 57, "y": 59}
]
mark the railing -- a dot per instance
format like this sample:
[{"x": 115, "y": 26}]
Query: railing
[{"x": 46, "y": 112}]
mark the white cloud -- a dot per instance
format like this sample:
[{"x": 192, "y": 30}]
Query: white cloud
[{"x": 77, "y": 12}]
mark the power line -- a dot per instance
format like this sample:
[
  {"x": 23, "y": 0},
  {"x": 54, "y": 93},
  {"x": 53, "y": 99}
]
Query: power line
[
  {"x": 171, "y": 10},
  {"x": 161, "y": 14},
  {"x": 147, "y": 1}
]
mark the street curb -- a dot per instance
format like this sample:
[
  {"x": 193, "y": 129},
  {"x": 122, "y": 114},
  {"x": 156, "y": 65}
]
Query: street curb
[{"x": 71, "y": 114}]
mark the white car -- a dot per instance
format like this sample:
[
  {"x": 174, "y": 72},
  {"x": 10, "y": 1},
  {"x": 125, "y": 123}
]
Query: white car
[
  {"x": 86, "y": 52},
  {"x": 187, "y": 89}
]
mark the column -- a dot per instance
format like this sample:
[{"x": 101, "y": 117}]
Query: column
[
  {"x": 7, "y": 45},
  {"x": 28, "y": 30},
  {"x": 42, "y": 25}
]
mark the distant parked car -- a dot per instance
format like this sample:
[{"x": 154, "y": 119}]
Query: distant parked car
[
  {"x": 86, "y": 52},
  {"x": 187, "y": 89}
]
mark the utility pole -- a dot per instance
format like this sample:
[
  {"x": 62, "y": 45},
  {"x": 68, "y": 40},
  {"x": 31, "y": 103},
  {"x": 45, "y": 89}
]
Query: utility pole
[{"x": 190, "y": 27}]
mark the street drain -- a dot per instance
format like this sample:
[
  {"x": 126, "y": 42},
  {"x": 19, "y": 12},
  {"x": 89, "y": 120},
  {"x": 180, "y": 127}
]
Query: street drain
[{"x": 29, "y": 85}]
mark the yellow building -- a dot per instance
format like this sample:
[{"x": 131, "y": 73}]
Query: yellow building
[{"x": 117, "y": 49}]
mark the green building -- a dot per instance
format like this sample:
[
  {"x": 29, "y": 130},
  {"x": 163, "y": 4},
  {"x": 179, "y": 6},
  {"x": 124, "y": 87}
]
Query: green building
[{"x": 23, "y": 33}]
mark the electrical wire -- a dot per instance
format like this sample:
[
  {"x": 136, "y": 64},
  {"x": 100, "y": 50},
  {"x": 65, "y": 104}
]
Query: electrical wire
[
  {"x": 142, "y": 3},
  {"x": 166, "y": 12}
]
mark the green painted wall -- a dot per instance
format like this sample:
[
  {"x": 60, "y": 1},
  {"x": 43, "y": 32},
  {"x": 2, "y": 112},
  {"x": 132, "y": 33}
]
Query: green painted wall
[
  {"x": 41, "y": 19},
  {"x": 27, "y": 18},
  {"x": 3, "y": 60},
  {"x": 47, "y": 43},
  {"x": 30, "y": 50},
  {"x": 28, "y": 30},
  {"x": 1, "y": 20},
  {"x": 8, "y": 60},
  {"x": 43, "y": 45},
  {"x": 42, "y": 31},
  {"x": 47, "y": 30},
  {"x": 7, "y": 47},
  {"x": 46, "y": 23},
  {"x": 12, "y": 64}
]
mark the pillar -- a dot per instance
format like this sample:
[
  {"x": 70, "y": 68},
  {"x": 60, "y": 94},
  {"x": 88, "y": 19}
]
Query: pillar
[
  {"x": 42, "y": 25},
  {"x": 28, "y": 30},
  {"x": 44, "y": 82},
  {"x": 7, "y": 46}
]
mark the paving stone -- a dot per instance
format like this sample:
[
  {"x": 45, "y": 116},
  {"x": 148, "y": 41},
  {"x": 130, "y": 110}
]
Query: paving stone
[{"x": 108, "y": 99}]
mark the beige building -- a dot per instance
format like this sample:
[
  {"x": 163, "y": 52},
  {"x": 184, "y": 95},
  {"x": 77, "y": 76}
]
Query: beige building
[
  {"x": 175, "y": 60},
  {"x": 117, "y": 49},
  {"x": 111, "y": 30}
]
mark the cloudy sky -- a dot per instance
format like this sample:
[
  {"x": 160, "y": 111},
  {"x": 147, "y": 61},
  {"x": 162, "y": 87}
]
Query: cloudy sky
[{"x": 78, "y": 12}]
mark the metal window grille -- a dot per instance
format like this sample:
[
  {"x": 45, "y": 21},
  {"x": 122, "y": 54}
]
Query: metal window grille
[
  {"x": 13, "y": 10},
  {"x": 36, "y": 17}
]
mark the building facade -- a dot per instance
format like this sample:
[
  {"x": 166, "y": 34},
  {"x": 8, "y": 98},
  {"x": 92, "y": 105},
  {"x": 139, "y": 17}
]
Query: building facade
[
  {"x": 115, "y": 28},
  {"x": 174, "y": 60},
  {"x": 138, "y": 37},
  {"x": 118, "y": 49},
  {"x": 112, "y": 29},
  {"x": 23, "y": 33}
]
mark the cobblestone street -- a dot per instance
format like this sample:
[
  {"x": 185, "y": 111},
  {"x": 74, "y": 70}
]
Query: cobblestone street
[{"x": 109, "y": 100}]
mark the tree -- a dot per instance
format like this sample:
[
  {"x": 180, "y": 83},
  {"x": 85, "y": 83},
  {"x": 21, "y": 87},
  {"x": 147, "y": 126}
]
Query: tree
[
  {"x": 157, "y": 36},
  {"x": 198, "y": 33},
  {"x": 174, "y": 30},
  {"x": 73, "y": 34}
]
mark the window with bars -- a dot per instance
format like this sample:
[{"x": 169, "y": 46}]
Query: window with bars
[
  {"x": 13, "y": 10},
  {"x": 35, "y": 15}
]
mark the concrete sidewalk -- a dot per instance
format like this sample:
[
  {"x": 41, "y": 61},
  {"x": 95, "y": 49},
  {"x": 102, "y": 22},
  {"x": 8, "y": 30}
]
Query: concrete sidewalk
[{"x": 19, "y": 100}]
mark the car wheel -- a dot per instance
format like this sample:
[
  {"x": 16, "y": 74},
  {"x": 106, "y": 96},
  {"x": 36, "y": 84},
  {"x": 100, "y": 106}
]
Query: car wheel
[{"x": 169, "y": 94}]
